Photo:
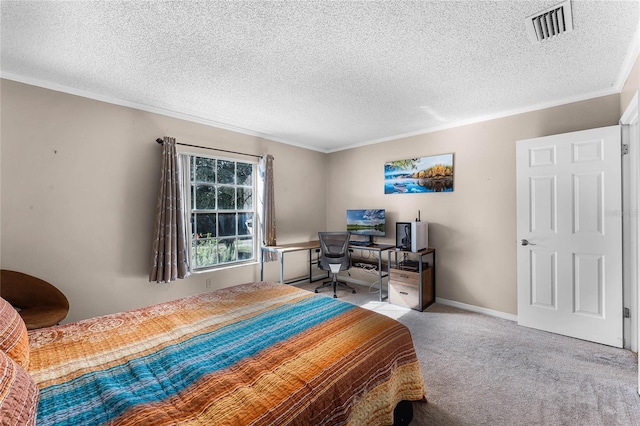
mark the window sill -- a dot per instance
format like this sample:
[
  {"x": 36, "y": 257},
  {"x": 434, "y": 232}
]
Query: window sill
[{"x": 228, "y": 266}]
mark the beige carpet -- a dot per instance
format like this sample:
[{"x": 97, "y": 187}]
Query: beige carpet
[{"x": 482, "y": 370}]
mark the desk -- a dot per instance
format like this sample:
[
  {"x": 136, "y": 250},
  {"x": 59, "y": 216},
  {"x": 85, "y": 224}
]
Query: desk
[
  {"x": 379, "y": 248},
  {"x": 288, "y": 248},
  {"x": 313, "y": 245}
]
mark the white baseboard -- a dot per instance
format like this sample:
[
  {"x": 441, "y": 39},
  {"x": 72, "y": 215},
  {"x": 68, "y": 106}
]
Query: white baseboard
[{"x": 478, "y": 309}]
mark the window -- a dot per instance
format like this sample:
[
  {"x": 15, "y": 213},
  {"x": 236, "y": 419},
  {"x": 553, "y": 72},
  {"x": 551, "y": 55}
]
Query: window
[{"x": 222, "y": 210}]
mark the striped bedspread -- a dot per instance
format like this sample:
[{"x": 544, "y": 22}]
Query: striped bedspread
[{"x": 253, "y": 354}]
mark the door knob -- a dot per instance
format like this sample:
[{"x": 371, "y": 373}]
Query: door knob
[{"x": 526, "y": 243}]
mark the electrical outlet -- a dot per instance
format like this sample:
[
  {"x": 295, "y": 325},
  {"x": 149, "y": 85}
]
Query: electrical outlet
[{"x": 208, "y": 283}]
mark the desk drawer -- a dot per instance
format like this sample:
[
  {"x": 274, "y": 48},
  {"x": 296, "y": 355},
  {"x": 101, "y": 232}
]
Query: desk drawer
[
  {"x": 402, "y": 276},
  {"x": 405, "y": 286},
  {"x": 404, "y": 295}
]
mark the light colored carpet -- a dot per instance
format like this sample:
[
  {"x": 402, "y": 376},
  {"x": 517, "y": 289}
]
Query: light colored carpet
[{"x": 482, "y": 370}]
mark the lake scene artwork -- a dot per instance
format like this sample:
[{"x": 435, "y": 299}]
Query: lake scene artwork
[{"x": 419, "y": 175}]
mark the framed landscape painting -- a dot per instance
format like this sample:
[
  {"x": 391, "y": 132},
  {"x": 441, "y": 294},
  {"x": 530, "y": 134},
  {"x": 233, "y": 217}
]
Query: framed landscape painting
[{"x": 419, "y": 175}]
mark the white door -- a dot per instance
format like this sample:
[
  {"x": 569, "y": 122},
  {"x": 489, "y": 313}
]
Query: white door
[{"x": 570, "y": 234}]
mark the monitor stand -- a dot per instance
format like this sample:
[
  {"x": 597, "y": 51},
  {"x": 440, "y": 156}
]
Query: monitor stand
[{"x": 368, "y": 242}]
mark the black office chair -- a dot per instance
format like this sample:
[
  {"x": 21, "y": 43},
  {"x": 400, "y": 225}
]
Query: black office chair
[{"x": 334, "y": 257}]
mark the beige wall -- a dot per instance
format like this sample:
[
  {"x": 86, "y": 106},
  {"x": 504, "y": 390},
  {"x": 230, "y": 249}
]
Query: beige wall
[
  {"x": 631, "y": 86},
  {"x": 79, "y": 185},
  {"x": 473, "y": 228}
]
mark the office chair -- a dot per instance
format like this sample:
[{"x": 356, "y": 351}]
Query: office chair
[{"x": 334, "y": 257}]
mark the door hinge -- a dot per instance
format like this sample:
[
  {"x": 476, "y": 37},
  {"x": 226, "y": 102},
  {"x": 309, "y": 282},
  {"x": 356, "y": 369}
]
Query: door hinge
[
  {"x": 626, "y": 313},
  {"x": 625, "y": 148}
]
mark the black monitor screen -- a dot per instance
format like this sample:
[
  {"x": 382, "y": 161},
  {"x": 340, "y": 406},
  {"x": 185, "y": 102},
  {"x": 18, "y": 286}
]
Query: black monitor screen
[{"x": 366, "y": 222}]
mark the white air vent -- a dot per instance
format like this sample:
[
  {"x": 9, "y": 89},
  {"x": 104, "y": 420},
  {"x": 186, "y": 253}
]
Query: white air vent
[{"x": 551, "y": 22}]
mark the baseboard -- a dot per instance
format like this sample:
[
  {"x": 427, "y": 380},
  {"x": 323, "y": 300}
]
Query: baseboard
[{"x": 478, "y": 309}]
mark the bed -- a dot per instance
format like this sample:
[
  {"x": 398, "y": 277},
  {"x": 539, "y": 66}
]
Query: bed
[{"x": 253, "y": 354}]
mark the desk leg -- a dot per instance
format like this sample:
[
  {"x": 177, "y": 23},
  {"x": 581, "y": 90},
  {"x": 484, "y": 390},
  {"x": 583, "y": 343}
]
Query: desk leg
[
  {"x": 380, "y": 274},
  {"x": 282, "y": 268},
  {"x": 434, "y": 276},
  {"x": 261, "y": 265}
]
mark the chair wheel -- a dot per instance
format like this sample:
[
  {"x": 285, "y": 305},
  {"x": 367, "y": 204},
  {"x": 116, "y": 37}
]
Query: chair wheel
[
  {"x": 335, "y": 296},
  {"x": 315, "y": 291},
  {"x": 353, "y": 291}
]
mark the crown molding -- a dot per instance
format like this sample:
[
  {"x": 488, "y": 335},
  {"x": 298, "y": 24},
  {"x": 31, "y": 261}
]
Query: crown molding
[{"x": 148, "y": 108}]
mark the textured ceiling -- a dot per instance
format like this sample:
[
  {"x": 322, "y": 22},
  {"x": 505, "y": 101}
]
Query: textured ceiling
[{"x": 324, "y": 75}]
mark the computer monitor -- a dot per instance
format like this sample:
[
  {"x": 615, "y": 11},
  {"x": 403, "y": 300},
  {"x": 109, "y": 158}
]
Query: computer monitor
[{"x": 369, "y": 223}]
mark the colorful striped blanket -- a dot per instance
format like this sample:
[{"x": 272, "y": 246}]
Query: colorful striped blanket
[{"x": 253, "y": 354}]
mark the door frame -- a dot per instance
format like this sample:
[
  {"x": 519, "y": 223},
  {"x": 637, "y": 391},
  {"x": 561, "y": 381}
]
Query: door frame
[{"x": 631, "y": 223}]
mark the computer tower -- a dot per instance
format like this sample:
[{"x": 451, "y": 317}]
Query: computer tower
[{"x": 412, "y": 236}]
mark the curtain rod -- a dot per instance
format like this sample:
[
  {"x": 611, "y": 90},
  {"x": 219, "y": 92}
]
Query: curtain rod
[{"x": 160, "y": 141}]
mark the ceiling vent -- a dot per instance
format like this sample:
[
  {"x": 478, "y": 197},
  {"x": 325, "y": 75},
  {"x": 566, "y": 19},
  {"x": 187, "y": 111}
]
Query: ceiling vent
[{"x": 553, "y": 21}]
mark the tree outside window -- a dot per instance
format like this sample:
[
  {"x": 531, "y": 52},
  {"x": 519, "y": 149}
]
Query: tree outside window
[{"x": 222, "y": 212}]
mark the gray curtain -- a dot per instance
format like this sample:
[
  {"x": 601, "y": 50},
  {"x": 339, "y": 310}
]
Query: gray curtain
[
  {"x": 267, "y": 206},
  {"x": 169, "y": 259}
]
